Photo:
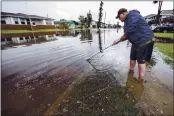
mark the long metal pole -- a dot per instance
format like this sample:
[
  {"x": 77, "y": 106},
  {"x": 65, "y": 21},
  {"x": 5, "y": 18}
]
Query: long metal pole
[{"x": 99, "y": 52}]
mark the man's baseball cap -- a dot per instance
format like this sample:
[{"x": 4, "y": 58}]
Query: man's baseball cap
[{"x": 120, "y": 11}]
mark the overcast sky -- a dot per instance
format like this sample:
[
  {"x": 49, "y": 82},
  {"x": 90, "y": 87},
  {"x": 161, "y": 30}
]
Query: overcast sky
[{"x": 71, "y": 10}]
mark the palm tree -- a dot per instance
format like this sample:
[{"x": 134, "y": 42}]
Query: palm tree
[{"x": 159, "y": 10}]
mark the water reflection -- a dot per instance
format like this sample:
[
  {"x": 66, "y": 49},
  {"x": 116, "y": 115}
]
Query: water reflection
[
  {"x": 168, "y": 61},
  {"x": 73, "y": 33},
  {"x": 16, "y": 39},
  {"x": 100, "y": 40},
  {"x": 10, "y": 40},
  {"x": 118, "y": 30},
  {"x": 135, "y": 87},
  {"x": 86, "y": 36}
]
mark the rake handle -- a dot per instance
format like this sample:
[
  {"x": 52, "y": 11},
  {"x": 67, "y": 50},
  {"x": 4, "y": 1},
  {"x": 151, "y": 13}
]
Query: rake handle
[{"x": 99, "y": 52}]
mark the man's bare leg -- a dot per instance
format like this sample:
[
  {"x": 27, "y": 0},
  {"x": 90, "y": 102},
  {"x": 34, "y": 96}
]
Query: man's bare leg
[
  {"x": 132, "y": 64},
  {"x": 142, "y": 69}
]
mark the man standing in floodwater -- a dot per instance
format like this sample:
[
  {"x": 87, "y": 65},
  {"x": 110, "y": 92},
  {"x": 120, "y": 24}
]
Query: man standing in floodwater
[{"x": 139, "y": 33}]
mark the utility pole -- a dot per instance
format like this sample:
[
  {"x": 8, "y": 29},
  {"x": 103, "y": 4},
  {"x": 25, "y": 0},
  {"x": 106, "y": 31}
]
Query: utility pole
[{"x": 105, "y": 20}]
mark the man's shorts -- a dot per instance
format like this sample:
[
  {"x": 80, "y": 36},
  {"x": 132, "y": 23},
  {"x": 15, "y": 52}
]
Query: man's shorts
[{"x": 142, "y": 54}]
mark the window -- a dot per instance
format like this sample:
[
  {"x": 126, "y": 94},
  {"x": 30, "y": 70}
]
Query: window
[
  {"x": 21, "y": 38},
  {"x": 28, "y": 23},
  {"x": 48, "y": 23},
  {"x": 22, "y": 21},
  {"x": 26, "y": 37},
  {"x": 16, "y": 20},
  {"x": 3, "y": 22},
  {"x": 2, "y": 39},
  {"x": 9, "y": 39},
  {"x": 33, "y": 23}
]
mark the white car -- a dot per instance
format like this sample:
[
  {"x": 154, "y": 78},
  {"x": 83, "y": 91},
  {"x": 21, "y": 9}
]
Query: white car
[{"x": 154, "y": 26}]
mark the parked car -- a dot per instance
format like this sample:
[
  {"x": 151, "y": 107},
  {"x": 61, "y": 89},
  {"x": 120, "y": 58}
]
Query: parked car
[
  {"x": 154, "y": 26},
  {"x": 164, "y": 29}
]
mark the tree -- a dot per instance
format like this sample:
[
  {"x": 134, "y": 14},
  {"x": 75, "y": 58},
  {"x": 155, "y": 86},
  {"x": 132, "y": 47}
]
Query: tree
[
  {"x": 82, "y": 20},
  {"x": 63, "y": 26},
  {"x": 100, "y": 15},
  {"x": 89, "y": 19},
  {"x": 86, "y": 21},
  {"x": 159, "y": 10},
  {"x": 62, "y": 20}
]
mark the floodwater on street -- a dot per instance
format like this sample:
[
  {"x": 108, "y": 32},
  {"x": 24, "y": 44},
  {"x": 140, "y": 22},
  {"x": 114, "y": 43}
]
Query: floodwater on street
[{"x": 54, "y": 78}]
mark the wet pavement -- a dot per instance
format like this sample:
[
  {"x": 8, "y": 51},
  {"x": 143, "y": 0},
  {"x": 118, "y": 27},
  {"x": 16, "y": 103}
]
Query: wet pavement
[{"x": 54, "y": 78}]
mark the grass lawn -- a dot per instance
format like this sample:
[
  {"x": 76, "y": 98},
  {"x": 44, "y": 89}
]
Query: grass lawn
[
  {"x": 165, "y": 35},
  {"x": 41, "y": 30},
  {"x": 165, "y": 48},
  {"x": 27, "y": 31}
]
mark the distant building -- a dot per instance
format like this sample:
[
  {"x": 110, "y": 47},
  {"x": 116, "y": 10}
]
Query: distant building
[
  {"x": 166, "y": 16},
  {"x": 93, "y": 24},
  {"x": 150, "y": 18},
  {"x": 71, "y": 23},
  {"x": 24, "y": 19}
]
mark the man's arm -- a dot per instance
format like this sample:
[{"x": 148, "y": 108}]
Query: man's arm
[{"x": 123, "y": 38}]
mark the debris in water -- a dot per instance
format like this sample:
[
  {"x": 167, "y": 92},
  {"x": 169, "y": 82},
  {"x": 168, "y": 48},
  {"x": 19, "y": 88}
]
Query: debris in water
[
  {"x": 65, "y": 110},
  {"x": 78, "y": 101},
  {"x": 165, "y": 103},
  {"x": 29, "y": 96}
]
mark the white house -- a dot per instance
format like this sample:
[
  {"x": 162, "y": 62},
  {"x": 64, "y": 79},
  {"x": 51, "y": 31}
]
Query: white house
[
  {"x": 151, "y": 17},
  {"x": 163, "y": 15},
  {"x": 166, "y": 14},
  {"x": 24, "y": 19},
  {"x": 93, "y": 24}
]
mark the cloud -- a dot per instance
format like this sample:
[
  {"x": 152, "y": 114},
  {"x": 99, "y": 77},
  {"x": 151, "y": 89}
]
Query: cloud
[{"x": 71, "y": 10}]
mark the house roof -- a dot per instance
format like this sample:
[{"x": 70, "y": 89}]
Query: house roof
[
  {"x": 150, "y": 15},
  {"x": 68, "y": 22},
  {"x": 21, "y": 15},
  {"x": 167, "y": 12}
]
